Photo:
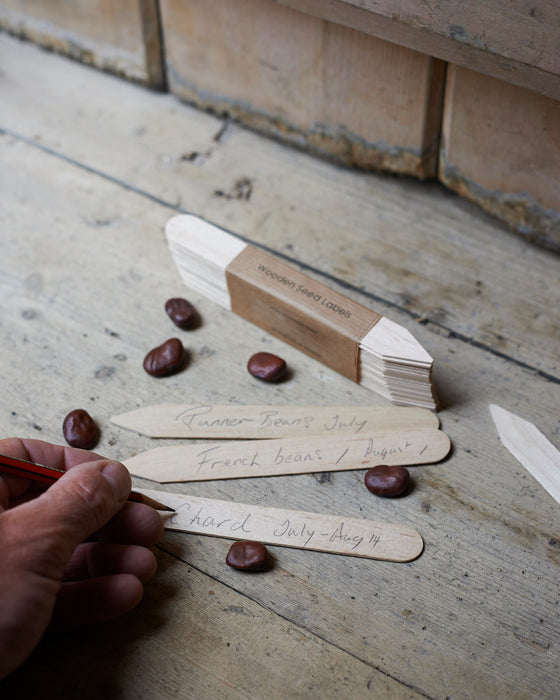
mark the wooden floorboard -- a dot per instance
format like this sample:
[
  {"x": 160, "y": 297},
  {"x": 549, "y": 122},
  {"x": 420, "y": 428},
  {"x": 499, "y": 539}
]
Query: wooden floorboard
[
  {"x": 420, "y": 247},
  {"x": 92, "y": 168}
]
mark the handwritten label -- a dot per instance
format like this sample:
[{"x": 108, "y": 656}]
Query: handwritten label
[
  {"x": 238, "y": 459},
  {"x": 290, "y": 528},
  {"x": 204, "y": 417},
  {"x": 254, "y": 422},
  {"x": 227, "y": 458}
]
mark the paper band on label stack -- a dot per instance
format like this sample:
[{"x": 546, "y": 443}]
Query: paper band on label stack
[{"x": 333, "y": 329}]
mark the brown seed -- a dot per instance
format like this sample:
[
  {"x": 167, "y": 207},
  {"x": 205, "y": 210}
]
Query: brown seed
[
  {"x": 167, "y": 358},
  {"x": 181, "y": 312},
  {"x": 385, "y": 480},
  {"x": 248, "y": 555},
  {"x": 79, "y": 429},
  {"x": 266, "y": 366}
]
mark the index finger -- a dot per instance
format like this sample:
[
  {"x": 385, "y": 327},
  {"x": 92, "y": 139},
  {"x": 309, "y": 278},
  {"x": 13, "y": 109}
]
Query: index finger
[
  {"x": 45, "y": 453},
  {"x": 41, "y": 452}
]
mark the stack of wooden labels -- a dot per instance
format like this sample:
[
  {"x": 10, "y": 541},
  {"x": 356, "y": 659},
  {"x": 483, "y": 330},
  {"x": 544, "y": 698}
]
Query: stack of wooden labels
[
  {"x": 377, "y": 352},
  {"x": 395, "y": 365}
]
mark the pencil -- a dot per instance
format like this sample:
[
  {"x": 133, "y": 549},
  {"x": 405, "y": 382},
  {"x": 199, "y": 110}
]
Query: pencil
[{"x": 39, "y": 473}]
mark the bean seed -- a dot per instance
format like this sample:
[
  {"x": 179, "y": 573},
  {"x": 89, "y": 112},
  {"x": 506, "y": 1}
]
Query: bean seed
[
  {"x": 181, "y": 312},
  {"x": 247, "y": 555},
  {"x": 79, "y": 429},
  {"x": 266, "y": 366},
  {"x": 167, "y": 358},
  {"x": 385, "y": 480}
]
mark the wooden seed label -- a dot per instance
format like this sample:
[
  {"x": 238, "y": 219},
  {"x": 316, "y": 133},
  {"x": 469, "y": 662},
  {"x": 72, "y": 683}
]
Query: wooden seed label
[
  {"x": 230, "y": 460},
  {"x": 290, "y": 528},
  {"x": 234, "y": 421}
]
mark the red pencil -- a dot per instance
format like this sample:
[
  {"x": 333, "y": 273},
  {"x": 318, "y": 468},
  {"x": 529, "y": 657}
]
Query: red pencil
[{"x": 48, "y": 475}]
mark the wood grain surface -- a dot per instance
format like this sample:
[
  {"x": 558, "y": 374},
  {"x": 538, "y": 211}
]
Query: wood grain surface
[
  {"x": 331, "y": 89},
  {"x": 513, "y": 40},
  {"x": 92, "y": 168},
  {"x": 501, "y": 149},
  {"x": 251, "y": 458},
  {"x": 336, "y": 534},
  {"x": 119, "y": 37},
  {"x": 242, "y": 421}
]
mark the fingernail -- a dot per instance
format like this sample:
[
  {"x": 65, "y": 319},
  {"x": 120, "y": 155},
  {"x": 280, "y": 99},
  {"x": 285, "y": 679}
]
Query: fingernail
[{"x": 119, "y": 478}]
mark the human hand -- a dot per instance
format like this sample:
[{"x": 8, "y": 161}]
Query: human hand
[{"x": 75, "y": 553}]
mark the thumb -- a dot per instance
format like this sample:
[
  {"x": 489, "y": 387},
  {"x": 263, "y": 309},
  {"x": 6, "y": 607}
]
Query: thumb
[
  {"x": 37, "y": 539},
  {"x": 70, "y": 511}
]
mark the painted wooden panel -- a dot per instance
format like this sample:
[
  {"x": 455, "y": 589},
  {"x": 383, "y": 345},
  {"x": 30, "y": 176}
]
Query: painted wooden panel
[
  {"x": 121, "y": 37},
  {"x": 501, "y": 149},
  {"x": 324, "y": 87}
]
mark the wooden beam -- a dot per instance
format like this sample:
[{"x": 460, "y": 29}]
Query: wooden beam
[{"x": 514, "y": 40}]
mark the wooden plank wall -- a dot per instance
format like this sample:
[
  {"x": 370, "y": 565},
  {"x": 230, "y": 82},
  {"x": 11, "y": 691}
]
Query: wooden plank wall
[
  {"x": 316, "y": 84},
  {"x": 361, "y": 83},
  {"x": 513, "y": 40},
  {"x": 501, "y": 149},
  {"x": 120, "y": 37}
]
